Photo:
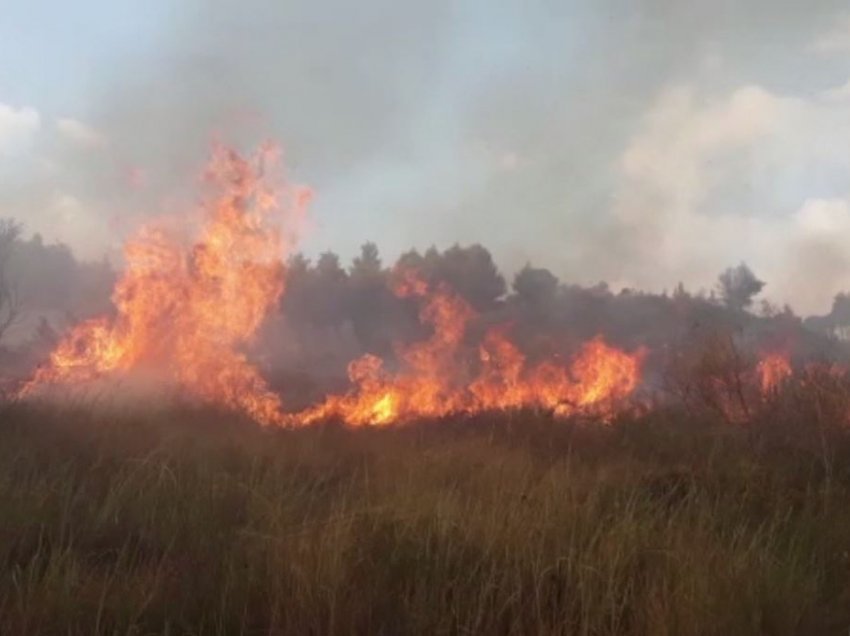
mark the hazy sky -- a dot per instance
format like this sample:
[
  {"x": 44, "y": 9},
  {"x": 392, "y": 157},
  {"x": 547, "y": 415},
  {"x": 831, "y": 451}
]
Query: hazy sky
[{"x": 638, "y": 141}]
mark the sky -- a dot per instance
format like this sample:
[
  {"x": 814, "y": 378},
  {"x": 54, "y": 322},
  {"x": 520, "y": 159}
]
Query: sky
[{"x": 641, "y": 142}]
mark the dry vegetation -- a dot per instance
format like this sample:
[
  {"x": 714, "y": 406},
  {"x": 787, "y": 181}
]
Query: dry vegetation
[{"x": 192, "y": 522}]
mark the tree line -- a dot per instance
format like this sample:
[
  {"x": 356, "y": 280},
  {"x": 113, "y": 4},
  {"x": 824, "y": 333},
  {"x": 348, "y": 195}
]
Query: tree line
[{"x": 332, "y": 312}]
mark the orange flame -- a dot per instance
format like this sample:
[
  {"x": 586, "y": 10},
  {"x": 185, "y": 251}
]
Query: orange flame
[
  {"x": 185, "y": 311},
  {"x": 188, "y": 311},
  {"x": 773, "y": 369},
  {"x": 436, "y": 382},
  {"x": 428, "y": 387},
  {"x": 598, "y": 378}
]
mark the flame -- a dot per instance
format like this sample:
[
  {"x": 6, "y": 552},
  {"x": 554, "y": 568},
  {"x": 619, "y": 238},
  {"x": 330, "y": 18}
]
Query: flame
[
  {"x": 773, "y": 370},
  {"x": 435, "y": 380},
  {"x": 187, "y": 310},
  {"x": 428, "y": 386},
  {"x": 598, "y": 377}
]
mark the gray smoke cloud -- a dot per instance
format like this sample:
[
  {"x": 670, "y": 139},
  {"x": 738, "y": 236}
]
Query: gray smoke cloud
[{"x": 639, "y": 142}]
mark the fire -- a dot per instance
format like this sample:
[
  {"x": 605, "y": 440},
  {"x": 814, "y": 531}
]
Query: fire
[
  {"x": 436, "y": 380},
  {"x": 185, "y": 310},
  {"x": 428, "y": 386},
  {"x": 773, "y": 369},
  {"x": 605, "y": 374},
  {"x": 597, "y": 379}
]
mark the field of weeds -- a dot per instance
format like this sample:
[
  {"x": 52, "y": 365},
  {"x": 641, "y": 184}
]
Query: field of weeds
[{"x": 194, "y": 522}]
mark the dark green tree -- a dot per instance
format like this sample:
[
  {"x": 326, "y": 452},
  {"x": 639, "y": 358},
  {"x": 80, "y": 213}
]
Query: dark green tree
[
  {"x": 535, "y": 285},
  {"x": 738, "y": 286}
]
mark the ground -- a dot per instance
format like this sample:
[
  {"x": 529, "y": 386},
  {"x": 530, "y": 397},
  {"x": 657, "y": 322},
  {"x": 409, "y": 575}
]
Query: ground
[{"x": 185, "y": 521}]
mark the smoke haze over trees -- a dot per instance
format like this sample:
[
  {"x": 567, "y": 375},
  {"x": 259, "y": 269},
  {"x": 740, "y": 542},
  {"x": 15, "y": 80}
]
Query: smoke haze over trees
[
  {"x": 333, "y": 312},
  {"x": 613, "y": 141}
]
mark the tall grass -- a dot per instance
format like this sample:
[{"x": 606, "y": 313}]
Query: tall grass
[{"x": 190, "y": 522}]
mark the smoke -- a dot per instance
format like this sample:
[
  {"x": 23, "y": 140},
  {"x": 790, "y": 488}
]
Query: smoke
[
  {"x": 642, "y": 142},
  {"x": 750, "y": 175}
]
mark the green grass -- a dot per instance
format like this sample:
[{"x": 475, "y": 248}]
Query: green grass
[{"x": 190, "y": 522}]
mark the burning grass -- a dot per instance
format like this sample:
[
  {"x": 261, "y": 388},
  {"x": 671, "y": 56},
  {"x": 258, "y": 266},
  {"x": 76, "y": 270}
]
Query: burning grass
[
  {"x": 186, "y": 309},
  {"x": 188, "y": 521}
]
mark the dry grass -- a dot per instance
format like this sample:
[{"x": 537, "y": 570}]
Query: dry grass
[{"x": 188, "y": 522}]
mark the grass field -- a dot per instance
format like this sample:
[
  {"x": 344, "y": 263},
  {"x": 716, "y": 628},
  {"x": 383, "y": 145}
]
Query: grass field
[{"x": 192, "y": 522}]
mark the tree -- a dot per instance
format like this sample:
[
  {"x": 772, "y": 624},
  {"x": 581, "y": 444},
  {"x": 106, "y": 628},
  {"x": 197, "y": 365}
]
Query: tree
[
  {"x": 9, "y": 307},
  {"x": 330, "y": 291},
  {"x": 840, "y": 313},
  {"x": 374, "y": 309},
  {"x": 47, "y": 275},
  {"x": 295, "y": 301},
  {"x": 316, "y": 295},
  {"x": 738, "y": 286},
  {"x": 411, "y": 260},
  {"x": 297, "y": 265},
  {"x": 535, "y": 285},
  {"x": 368, "y": 264},
  {"x": 329, "y": 269},
  {"x": 470, "y": 271}
]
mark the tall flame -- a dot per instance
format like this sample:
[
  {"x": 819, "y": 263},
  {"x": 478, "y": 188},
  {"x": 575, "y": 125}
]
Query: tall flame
[{"x": 186, "y": 311}]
